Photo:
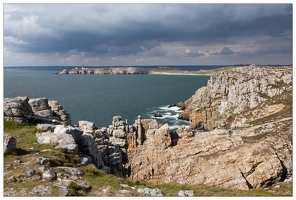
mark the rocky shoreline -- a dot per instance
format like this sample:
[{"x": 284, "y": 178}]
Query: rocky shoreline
[
  {"x": 137, "y": 71},
  {"x": 240, "y": 135}
]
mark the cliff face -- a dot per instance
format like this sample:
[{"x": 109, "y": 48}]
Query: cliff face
[
  {"x": 240, "y": 135},
  {"x": 240, "y": 96}
]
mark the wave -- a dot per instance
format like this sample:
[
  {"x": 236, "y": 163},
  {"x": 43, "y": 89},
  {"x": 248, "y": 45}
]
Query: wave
[{"x": 169, "y": 115}]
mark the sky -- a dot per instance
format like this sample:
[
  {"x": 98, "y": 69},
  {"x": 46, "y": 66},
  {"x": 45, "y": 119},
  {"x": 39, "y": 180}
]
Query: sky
[{"x": 102, "y": 34}]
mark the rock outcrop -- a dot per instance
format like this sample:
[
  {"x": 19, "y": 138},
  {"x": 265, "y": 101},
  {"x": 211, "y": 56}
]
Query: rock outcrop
[
  {"x": 41, "y": 110},
  {"x": 240, "y": 135},
  {"x": 9, "y": 143},
  {"x": 239, "y": 96}
]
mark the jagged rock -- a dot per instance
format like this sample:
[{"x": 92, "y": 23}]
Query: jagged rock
[
  {"x": 65, "y": 136},
  {"x": 17, "y": 108},
  {"x": 39, "y": 104},
  {"x": 162, "y": 137},
  {"x": 9, "y": 143},
  {"x": 149, "y": 124},
  {"x": 255, "y": 153},
  {"x": 88, "y": 146},
  {"x": 231, "y": 92},
  {"x": 23, "y": 109},
  {"x": 87, "y": 126},
  {"x": 117, "y": 121},
  {"x": 41, "y": 190},
  {"x": 185, "y": 193}
]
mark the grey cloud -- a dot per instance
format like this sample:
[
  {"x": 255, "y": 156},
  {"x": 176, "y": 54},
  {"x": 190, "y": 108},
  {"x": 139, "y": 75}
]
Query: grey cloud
[
  {"x": 194, "y": 54},
  {"x": 130, "y": 29},
  {"x": 226, "y": 51}
]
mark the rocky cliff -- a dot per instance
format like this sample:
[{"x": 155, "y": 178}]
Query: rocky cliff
[
  {"x": 239, "y": 96},
  {"x": 240, "y": 134}
]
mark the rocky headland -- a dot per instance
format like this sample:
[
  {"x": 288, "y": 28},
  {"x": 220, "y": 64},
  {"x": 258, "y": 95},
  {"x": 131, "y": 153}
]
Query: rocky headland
[
  {"x": 139, "y": 70},
  {"x": 240, "y": 136}
]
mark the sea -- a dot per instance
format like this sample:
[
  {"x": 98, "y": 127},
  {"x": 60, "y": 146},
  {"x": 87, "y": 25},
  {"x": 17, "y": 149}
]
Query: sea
[{"x": 97, "y": 98}]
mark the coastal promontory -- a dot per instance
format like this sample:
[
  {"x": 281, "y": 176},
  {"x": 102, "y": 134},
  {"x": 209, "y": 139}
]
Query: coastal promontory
[{"x": 240, "y": 137}]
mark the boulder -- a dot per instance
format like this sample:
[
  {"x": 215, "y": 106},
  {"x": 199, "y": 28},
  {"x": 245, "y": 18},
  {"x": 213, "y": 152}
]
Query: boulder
[
  {"x": 49, "y": 175},
  {"x": 158, "y": 115},
  {"x": 87, "y": 126},
  {"x": 9, "y": 143},
  {"x": 66, "y": 137},
  {"x": 17, "y": 107}
]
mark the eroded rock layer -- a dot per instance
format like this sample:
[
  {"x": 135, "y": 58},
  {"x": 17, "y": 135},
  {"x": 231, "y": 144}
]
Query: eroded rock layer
[{"x": 240, "y": 135}]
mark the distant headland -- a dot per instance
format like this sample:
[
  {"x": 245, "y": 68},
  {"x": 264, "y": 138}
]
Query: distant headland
[{"x": 139, "y": 70}]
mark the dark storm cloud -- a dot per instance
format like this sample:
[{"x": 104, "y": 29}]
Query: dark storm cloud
[{"x": 130, "y": 29}]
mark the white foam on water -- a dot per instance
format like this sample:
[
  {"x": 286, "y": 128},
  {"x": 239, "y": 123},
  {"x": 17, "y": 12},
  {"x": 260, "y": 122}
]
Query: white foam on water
[{"x": 169, "y": 115}]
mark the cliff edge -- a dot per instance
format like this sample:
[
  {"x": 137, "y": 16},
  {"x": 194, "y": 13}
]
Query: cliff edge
[{"x": 240, "y": 135}]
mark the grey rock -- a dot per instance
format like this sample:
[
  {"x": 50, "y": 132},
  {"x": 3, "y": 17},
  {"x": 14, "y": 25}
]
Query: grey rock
[
  {"x": 17, "y": 107},
  {"x": 106, "y": 169},
  {"x": 42, "y": 160},
  {"x": 41, "y": 190},
  {"x": 185, "y": 193},
  {"x": 68, "y": 148},
  {"x": 151, "y": 192},
  {"x": 85, "y": 160},
  {"x": 87, "y": 126},
  {"x": 30, "y": 172},
  {"x": 9, "y": 143},
  {"x": 43, "y": 168},
  {"x": 46, "y": 127},
  {"x": 49, "y": 175},
  {"x": 39, "y": 104},
  {"x": 88, "y": 146},
  {"x": 72, "y": 171}
]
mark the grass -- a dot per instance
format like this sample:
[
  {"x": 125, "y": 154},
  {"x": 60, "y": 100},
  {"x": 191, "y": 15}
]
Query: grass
[{"x": 97, "y": 179}]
